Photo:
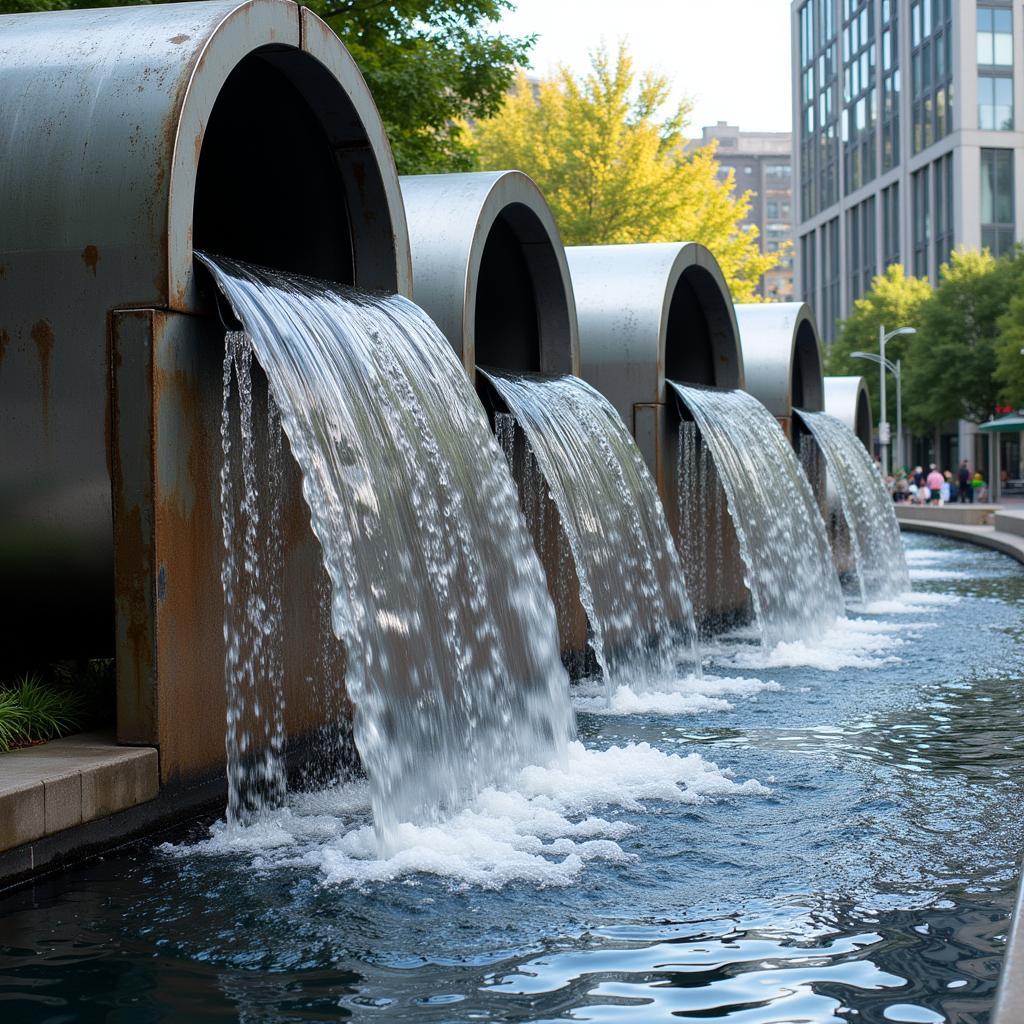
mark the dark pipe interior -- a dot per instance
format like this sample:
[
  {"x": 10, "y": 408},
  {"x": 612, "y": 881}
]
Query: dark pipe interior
[
  {"x": 507, "y": 325},
  {"x": 807, "y": 388},
  {"x": 863, "y": 419},
  {"x": 522, "y": 318},
  {"x": 700, "y": 344},
  {"x": 268, "y": 188}
]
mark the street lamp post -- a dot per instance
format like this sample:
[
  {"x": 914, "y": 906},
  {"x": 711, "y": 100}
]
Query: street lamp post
[{"x": 895, "y": 369}]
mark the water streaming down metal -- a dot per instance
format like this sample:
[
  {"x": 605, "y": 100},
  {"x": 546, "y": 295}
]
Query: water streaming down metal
[
  {"x": 878, "y": 562},
  {"x": 630, "y": 577},
  {"x": 453, "y": 665},
  {"x": 794, "y": 590},
  {"x": 250, "y": 500}
]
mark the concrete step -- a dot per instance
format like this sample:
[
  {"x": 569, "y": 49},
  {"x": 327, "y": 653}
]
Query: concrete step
[{"x": 67, "y": 782}]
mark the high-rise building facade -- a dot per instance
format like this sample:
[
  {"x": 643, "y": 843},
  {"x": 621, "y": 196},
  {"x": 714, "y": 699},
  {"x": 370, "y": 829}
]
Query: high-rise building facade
[
  {"x": 908, "y": 139},
  {"x": 762, "y": 164}
]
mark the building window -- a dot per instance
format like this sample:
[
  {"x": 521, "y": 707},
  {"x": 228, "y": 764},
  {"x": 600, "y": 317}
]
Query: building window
[
  {"x": 997, "y": 213},
  {"x": 943, "y": 209},
  {"x": 995, "y": 102},
  {"x": 860, "y": 93},
  {"x": 830, "y": 278},
  {"x": 809, "y": 269},
  {"x": 860, "y": 239},
  {"x": 891, "y": 225},
  {"x": 995, "y": 36},
  {"x": 819, "y": 108},
  {"x": 890, "y": 85},
  {"x": 995, "y": 68},
  {"x": 920, "y": 185},
  {"x": 931, "y": 29}
]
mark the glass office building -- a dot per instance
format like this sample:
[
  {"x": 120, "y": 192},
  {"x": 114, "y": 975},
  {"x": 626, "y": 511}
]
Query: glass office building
[{"x": 908, "y": 140}]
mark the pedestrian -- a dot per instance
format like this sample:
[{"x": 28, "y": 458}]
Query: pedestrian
[
  {"x": 948, "y": 492},
  {"x": 919, "y": 477},
  {"x": 934, "y": 482},
  {"x": 901, "y": 489},
  {"x": 978, "y": 488},
  {"x": 963, "y": 477}
]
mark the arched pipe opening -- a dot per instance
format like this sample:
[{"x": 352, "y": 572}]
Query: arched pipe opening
[
  {"x": 490, "y": 270},
  {"x": 849, "y": 400}
]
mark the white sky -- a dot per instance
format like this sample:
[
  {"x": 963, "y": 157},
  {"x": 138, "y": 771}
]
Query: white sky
[{"x": 730, "y": 57}]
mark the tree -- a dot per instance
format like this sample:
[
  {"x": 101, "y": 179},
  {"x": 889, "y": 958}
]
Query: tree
[
  {"x": 431, "y": 65},
  {"x": 954, "y": 357},
  {"x": 895, "y": 300},
  {"x": 614, "y": 171},
  {"x": 1009, "y": 357}
]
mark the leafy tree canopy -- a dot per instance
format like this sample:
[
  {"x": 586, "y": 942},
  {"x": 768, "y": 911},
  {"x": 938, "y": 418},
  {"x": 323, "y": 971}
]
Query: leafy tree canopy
[
  {"x": 431, "y": 65},
  {"x": 955, "y": 356},
  {"x": 615, "y": 170},
  {"x": 895, "y": 300}
]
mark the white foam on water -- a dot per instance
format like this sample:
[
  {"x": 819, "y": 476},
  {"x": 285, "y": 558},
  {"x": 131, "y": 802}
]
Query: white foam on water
[
  {"x": 910, "y": 603},
  {"x": 544, "y": 831},
  {"x": 932, "y": 573},
  {"x": 687, "y": 695},
  {"x": 849, "y": 643}
]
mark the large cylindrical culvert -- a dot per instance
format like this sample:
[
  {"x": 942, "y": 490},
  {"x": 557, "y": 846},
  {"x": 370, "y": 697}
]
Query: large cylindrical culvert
[
  {"x": 849, "y": 400},
  {"x": 490, "y": 269},
  {"x": 782, "y": 358},
  {"x": 126, "y": 137},
  {"x": 650, "y": 314}
]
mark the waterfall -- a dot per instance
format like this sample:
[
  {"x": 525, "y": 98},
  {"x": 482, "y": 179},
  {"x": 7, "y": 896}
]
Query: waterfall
[
  {"x": 875, "y": 547},
  {"x": 630, "y": 577},
  {"x": 794, "y": 589},
  {"x": 453, "y": 666}
]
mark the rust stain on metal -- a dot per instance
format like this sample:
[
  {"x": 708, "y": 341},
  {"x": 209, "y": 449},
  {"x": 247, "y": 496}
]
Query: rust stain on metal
[
  {"x": 3, "y": 271},
  {"x": 42, "y": 335},
  {"x": 179, "y": 39},
  {"x": 5, "y": 340},
  {"x": 90, "y": 257}
]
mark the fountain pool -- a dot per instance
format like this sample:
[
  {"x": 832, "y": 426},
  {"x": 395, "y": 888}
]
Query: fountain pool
[{"x": 875, "y": 875}]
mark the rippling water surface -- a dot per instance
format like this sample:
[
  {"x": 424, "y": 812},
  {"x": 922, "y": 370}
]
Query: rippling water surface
[{"x": 866, "y": 875}]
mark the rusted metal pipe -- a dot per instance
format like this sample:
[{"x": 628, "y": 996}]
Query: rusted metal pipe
[{"x": 127, "y": 135}]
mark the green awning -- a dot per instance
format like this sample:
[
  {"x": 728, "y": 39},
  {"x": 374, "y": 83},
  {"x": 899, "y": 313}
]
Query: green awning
[{"x": 1005, "y": 424}]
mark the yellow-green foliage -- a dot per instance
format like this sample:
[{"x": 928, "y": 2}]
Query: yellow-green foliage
[{"x": 614, "y": 171}]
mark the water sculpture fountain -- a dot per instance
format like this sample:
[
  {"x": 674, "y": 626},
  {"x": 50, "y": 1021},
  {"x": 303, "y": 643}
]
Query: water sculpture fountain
[
  {"x": 774, "y": 510},
  {"x": 650, "y": 314},
  {"x": 453, "y": 664},
  {"x": 490, "y": 268},
  {"x": 871, "y": 533},
  {"x": 111, "y": 384}
]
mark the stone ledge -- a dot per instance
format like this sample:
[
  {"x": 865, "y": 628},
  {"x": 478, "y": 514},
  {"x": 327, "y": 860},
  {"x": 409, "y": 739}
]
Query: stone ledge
[
  {"x": 984, "y": 536},
  {"x": 954, "y": 514},
  {"x": 67, "y": 782}
]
